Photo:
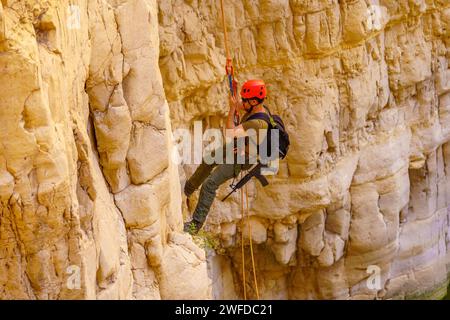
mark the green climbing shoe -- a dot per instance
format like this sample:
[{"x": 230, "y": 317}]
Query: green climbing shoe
[{"x": 192, "y": 227}]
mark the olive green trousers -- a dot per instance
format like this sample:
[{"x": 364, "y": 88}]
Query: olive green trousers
[{"x": 210, "y": 177}]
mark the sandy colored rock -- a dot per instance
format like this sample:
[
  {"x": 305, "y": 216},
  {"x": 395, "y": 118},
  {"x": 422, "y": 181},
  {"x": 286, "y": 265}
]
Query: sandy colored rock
[
  {"x": 285, "y": 237},
  {"x": 183, "y": 270},
  {"x": 255, "y": 230},
  {"x": 363, "y": 91},
  {"x": 88, "y": 82},
  {"x": 142, "y": 205},
  {"x": 91, "y": 95},
  {"x": 146, "y": 143}
]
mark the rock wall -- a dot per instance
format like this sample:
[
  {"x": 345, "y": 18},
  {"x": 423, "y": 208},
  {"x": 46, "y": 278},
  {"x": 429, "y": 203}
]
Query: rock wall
[
  {"x": 364, "y": 87},
  {"x": 91, "y": 203}
]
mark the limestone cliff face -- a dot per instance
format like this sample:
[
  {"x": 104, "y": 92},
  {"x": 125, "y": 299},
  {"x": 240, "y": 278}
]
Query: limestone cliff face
[
  {"x": 364, "y": 87},
  {"x": 89, "y": 201},
  {"x": 91, "y": 90}
]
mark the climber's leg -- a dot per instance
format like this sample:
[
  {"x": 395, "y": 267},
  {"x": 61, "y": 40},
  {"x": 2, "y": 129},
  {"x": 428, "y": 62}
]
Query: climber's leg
[
  {"x": 219, "y": 176},
  {"x": 200, "y": 174}
]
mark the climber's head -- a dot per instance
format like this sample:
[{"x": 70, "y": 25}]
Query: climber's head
[{"x": 253, "y": 94}]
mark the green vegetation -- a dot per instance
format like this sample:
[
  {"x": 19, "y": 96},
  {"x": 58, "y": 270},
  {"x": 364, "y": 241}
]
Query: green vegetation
[
  {"x": 208, "y": 241},
  {"x": 447, "y": 297}
]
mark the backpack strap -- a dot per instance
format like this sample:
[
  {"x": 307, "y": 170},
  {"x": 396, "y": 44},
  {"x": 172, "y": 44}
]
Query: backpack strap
[
  {"x": 267, "y": 117},
  {"x": 260, "y": 116}
]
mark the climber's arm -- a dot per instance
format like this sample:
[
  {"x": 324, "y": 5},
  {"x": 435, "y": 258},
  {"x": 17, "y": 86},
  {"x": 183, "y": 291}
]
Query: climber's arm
[{"x": 234, "y": 131}]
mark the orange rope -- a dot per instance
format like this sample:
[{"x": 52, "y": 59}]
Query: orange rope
[
  {"x": 242, "y": 246},
  {"x": 227, "y": 49},
  {"x": 251, "y": 242},
  {"x": 246, "y": 212}
]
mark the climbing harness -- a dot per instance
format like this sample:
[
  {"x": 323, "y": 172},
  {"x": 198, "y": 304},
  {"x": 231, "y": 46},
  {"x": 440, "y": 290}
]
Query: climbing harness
[{"x": 244, "y": 213}]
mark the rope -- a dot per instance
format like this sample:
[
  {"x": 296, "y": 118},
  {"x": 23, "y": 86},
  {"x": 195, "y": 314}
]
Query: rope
[
  {"x": 227, "y": 49},
  {"x": 244, "y": 213},
  {"x": 242, "y": 248},
  {"x": 229, "y": 65},
  {"x": 251, "y": 242}
]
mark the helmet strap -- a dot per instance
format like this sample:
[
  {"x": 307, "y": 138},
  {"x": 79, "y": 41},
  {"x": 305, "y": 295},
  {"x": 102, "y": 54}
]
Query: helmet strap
[{"x": 260, "y": 101}]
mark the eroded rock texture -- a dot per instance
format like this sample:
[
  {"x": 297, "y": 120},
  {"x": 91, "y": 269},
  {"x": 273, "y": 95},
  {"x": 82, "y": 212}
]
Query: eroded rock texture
[
  {"x": 91, "y": 203},
  {"x": 364, "y": 87}
]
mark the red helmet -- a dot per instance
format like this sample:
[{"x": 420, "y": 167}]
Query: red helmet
[{"x": 254, "y": 89}]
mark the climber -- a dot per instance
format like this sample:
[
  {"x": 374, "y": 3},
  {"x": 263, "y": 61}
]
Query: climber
[{"x": 253, "y": 94}]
